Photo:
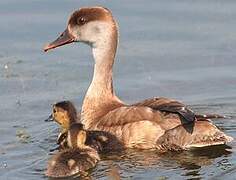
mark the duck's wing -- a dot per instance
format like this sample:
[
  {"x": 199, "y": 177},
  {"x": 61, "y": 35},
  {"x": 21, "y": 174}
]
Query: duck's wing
[
  {"x": 131, "y": 114},
  {"x": 203, "y": 134},
  {"x": 173, "y": 106},
  {"x": 136, "y": 126},
  {"x": 141, "y": 126},
  {"x": 170, "y": 106}
]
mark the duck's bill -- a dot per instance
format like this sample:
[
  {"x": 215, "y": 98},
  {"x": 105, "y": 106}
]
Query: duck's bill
[
  {"x": 50, "y": 118},
  {"x": 64, "y": 38}
]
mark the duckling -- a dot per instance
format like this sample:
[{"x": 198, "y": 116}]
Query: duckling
[
  {"x": 64, "y": 113},
  {"x": 77, "y": 159}
]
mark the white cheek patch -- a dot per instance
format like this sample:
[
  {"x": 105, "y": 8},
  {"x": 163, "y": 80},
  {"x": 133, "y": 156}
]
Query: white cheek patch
[{"x": 95, "y": 32}]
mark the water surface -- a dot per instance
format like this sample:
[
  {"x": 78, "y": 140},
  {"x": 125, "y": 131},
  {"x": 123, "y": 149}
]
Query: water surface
[{"x": 179, "y": 49}]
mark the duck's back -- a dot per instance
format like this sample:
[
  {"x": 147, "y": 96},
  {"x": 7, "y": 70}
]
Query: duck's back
[
  {"x": 142, "y": 125},
  {"x": 136, "y": 126}
]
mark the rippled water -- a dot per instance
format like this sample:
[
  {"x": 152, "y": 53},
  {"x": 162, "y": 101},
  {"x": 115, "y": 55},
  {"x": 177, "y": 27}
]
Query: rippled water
[{"x": 179, "y": 49}]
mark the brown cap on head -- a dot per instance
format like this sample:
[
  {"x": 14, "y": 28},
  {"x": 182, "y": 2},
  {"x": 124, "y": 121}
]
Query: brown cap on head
[
  {"x": 85, "y": 15},
  {"x": 79, "y": 18}
]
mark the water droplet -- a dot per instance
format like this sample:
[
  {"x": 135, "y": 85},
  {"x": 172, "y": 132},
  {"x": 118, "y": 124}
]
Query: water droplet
[
  {"x": 6, "y": 66},
  {"x": 4, "y": 164},
  {"x": 18, "y": 102}
]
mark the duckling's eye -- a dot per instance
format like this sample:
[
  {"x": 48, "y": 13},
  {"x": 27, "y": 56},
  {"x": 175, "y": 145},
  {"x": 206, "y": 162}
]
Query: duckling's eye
[
  {"x": 81, "y": 21},
  {"x": 54, "y": 111}
]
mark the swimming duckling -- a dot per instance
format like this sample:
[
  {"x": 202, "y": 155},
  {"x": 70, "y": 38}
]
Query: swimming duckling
[
  {"x": 64, "y": 113},
  {"x": 77, "y": 159}
]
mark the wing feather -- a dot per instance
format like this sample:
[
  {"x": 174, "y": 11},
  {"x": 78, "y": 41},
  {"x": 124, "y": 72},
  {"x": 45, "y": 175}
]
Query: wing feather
[{"x": 169, "y": 105}]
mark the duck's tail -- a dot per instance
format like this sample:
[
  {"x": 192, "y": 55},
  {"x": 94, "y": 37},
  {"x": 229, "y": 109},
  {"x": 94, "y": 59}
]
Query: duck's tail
[{"x": 198, "y": 134}]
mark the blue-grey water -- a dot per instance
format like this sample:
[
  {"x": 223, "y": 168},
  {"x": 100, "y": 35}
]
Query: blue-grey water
[{"x": 183, "y": 49}]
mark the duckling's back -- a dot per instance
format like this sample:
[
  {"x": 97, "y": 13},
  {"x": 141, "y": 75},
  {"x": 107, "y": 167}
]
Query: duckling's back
[
  {"x": 103, "y": 141},
  {"x": 72, "y": 162}
]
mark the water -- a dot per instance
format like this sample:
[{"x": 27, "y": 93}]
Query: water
[{"x": 179, "y": 49}]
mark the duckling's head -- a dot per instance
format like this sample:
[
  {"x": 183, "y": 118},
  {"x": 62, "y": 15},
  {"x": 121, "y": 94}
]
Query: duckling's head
[
  {"x": 64, "y": 113},
  {"x": 76, "y": 136},
  {"x": 91, "y": 25}
]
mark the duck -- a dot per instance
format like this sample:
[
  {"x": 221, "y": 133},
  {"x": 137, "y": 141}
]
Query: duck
[
  {"x": 77, "y": 159},
  {"x": 144, "y": 125},
  {"x": 65, "y": 114}
]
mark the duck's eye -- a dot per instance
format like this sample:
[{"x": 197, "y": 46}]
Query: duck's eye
[{"x": 81, "y": 21}]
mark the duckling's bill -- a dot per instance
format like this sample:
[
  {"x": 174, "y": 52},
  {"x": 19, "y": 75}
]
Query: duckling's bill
[{"x": 50, "y": 118}]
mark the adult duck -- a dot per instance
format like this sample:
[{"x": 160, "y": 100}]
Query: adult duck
[{"x": 147, "y": 124}]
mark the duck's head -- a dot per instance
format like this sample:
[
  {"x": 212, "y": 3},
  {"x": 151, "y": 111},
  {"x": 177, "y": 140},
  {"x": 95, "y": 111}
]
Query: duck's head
[
  {"x": 76, "y": 136},
  {"x": 64, "y": 113},
  {"x": 91, "y": 25}
]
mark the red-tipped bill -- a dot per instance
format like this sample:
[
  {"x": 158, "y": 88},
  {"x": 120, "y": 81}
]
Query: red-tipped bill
[{"x": 64, "y": 38}]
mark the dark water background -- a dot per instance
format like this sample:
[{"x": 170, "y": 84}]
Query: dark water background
[{"x": 182, "y": 49}]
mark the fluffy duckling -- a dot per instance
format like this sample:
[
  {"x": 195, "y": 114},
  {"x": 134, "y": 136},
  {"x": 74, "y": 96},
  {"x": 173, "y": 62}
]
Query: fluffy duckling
[
  {"x": 64, "y": 113},
  {"x": 77, "y": 159}
]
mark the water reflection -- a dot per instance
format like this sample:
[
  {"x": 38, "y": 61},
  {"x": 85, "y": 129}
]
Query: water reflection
[{"x": 130, "y": 162}]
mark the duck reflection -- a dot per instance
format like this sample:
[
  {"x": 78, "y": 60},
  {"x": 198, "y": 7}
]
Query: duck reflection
[{"x": 133, "y": 161}]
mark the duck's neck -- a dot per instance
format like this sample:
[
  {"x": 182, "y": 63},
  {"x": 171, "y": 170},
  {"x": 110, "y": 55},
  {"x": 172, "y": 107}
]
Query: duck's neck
[
  {"x": 100, "y": 96},
  {"x": 102, "y": 76}
]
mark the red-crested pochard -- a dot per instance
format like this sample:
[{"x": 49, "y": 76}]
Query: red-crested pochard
[{"x": 152, "y": 123}]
